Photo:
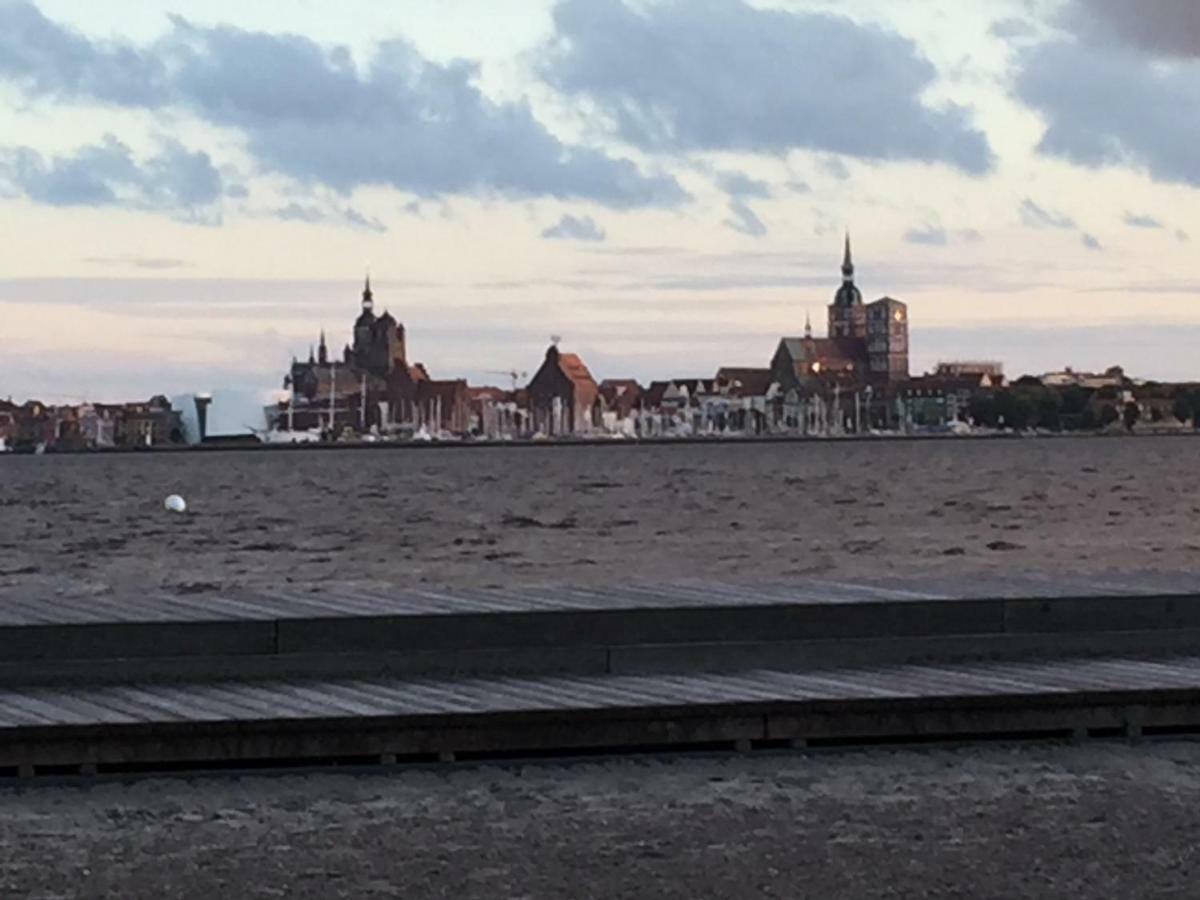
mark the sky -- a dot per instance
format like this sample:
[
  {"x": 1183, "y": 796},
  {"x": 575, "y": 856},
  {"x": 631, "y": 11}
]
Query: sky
[{"x": 191, "y": 191}]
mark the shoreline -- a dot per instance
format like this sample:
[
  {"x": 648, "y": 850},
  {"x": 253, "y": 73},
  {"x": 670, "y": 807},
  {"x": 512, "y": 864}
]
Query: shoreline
[{"x": 232, "y": 447}]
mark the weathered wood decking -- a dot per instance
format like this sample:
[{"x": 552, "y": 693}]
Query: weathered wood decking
[{"x": 277, "y": 678}]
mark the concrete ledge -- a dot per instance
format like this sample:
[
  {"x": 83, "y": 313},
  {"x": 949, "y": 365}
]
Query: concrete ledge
[
  {"x": 126, "y": 640},
  {"x": 798, "y": 635}
]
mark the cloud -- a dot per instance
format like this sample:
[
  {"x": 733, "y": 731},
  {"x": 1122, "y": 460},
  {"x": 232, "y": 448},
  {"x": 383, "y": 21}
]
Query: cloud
[
  {"x": 1182, "y": 236},
  {"x": 307, "y": 111},
  {"x": 176, "y": 180},
  {"x": 739, "y": 184},
  {"x": 835, "y": 167},
  {"x": 1106, "y": 101},
  {"x": 1135, "y": 221},
  {"x": 721, "y": 75},
  {"x": 1091, "y": 242},
  {"x": 157, "y": 264},
  {"x": 1035, "y": 216},
  {"x": 1169, "y": 27},
  {"x": 929, "y": 235},
  {"x": 745, "y": 220},
  {"x": 312, "y": 214},
  {"x": 934, "y": 235},
  {"x": 47, "y": 60},
  {"x": 570, "y": 228},
  {"x": 1013, "y": 29}
]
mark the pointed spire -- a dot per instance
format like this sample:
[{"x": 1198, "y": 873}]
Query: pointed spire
[
  {"x": 808, "y": 325},
  {"x": 323, "y": 350},
  {"x": 311, "y": 356},
  {"x": 848, "y": 261},
  {"x": 368, "y": 298}
]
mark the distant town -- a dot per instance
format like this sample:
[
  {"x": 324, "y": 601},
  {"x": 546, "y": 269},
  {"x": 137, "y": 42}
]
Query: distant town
[{"x": 854, "y": 380}]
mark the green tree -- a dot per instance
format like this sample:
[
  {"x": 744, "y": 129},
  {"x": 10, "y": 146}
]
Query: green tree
[
  {"x": 1016, "y": 409},
  {"x": 1182, "y": 409},
  {"x": 1108, "y": 415},
  {"x": 1049, "y": 410},
  {"x": 982, "y": 410}
]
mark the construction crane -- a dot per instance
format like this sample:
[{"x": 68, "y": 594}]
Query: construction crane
[{"x": 517, "y": 377}]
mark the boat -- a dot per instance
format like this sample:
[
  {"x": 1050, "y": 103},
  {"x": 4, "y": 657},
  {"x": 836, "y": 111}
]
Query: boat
[{"x": 284, "y": 436}]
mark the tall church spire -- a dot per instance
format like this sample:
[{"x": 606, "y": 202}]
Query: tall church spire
[
  {"x": 848, "y": 262},
  {"x": 323, "y": 350},
  {"x": 368, "y": 298},
  {"x": 808, "y": 325}
]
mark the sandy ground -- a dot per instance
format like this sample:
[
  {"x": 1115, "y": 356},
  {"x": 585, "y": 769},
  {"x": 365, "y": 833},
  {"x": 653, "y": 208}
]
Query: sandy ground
[
  {"x": 1104, "y": 821},
  {"x": 600, "y": 514}
]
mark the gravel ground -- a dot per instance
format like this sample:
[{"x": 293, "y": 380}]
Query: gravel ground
[{"x": 1054, "y": 821}]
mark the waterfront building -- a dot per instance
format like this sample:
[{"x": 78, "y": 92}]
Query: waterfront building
[
  {"x": 849, "y": 379},
  {"x": 562, "y": 396},
  {"x": 373, "y": 387}
]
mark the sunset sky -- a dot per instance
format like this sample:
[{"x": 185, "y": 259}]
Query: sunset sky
[{"x": 190, "y": 190}]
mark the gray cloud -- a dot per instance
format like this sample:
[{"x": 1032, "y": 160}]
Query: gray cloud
[
  {"x": 1091, "y": 242},
  {"x": 318, "y": 215},
  {"x": 1170, "y": 27},
  {"x": 1135, "y": 221},
  {"x": 739, "y": 184},
  {"x": 140, "y": 262},
  {"x": 1013, "y": 29},
  {"x": 48, "y": 60},
  {"x": 930, "y": 235},
  {"x": 686, "y": 75},
  {"x": 570, "y": 228},
  {"x": 1106, "y": 101},
  {"x": 741, "y": 187},
  {"x": 1035, "y": 216},
  {"x": 1182, "y": 236},
  {"x": 835, "y": 167},
  {"x": 308, "y": 112},
  {"x": 175, "y": 180},
  {"x": 934, "y": 235},
  {"x": 744, "y": 220}
]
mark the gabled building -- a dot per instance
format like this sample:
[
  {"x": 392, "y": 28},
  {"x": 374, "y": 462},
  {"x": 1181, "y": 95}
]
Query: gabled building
[{"x": 563, "y": 396}]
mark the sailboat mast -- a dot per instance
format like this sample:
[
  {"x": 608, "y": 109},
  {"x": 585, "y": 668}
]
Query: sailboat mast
[{"x": 332, "y": 401}]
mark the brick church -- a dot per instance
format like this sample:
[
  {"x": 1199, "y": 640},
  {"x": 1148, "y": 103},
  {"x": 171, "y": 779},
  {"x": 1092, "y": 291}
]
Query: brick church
[
  {"x": 374, "y": 385},
  {"x": 866, "y": 348}
]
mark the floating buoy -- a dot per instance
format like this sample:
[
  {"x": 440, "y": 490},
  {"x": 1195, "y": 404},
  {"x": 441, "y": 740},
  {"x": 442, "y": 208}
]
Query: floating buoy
[{"x": 175, "y": 504}]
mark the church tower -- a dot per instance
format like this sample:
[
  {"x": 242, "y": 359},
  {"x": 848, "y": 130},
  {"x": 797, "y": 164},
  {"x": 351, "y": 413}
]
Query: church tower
[
  {"x": 364, "y": 329},
  {"x": 847, "y": 315}
]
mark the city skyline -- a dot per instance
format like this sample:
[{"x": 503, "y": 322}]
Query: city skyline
[{"x": 180, "y": 218}]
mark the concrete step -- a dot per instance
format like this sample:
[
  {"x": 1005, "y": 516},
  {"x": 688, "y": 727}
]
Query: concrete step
[{"x": 671, "y": 628}]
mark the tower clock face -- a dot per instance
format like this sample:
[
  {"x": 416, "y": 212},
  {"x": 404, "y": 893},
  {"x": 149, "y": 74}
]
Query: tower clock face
[{"x": 898, "y": 315}]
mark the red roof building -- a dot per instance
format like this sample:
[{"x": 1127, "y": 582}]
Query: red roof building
[{"x": 563, "y": 396}]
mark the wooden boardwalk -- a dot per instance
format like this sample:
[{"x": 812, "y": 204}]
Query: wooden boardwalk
[
  {"x": 317, "y": 603},
  {"x": 281, "y": 678}
]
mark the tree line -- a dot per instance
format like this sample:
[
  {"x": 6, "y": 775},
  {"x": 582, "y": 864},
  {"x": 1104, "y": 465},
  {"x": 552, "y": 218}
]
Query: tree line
[{"x": 1028, "y": 404}]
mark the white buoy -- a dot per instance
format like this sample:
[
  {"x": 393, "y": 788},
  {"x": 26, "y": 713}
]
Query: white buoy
[{"x": 175, "y": 504}]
